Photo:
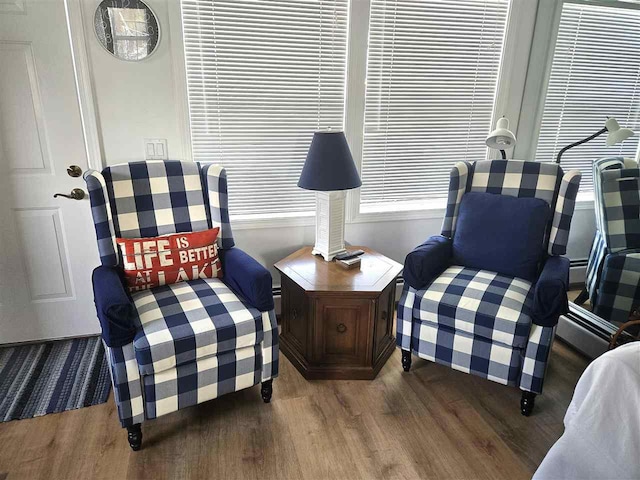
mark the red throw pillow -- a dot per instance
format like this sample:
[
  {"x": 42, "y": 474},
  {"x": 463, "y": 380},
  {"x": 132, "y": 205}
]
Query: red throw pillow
[{"x": 154, "y": 261}]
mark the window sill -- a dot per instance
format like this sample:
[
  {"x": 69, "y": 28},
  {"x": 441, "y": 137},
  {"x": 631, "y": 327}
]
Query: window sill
[
  {"x": 297, "y": 220},
  {"x": 399, "y": 215},
  {"x": 401, "y": 211}
]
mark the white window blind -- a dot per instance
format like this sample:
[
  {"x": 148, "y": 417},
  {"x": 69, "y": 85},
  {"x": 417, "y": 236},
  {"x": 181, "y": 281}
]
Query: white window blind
[
  {"x": 595, "y": 74},
  {"x": 262, "y": 76},
  {"x": 431, "y": 79}
]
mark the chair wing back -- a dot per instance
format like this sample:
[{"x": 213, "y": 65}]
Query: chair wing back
[
  {"x": 147, "y": 199},
  {"x": 546, "y": 181},
  {"x": 617, "y": 197},
  {"x": 218, "y": 201}
]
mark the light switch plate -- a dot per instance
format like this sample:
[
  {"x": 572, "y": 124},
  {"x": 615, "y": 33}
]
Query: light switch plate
[{"x": 155, "y": 149}]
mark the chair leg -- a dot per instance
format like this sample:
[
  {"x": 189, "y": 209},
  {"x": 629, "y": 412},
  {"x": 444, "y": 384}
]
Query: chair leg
[
  {"x": 134, "y": 435},
  {"x": 267, "y": 390},
  {"x": 582, "y": 297},
  {"x": 527, "y": 402},
  {"x": 406, "y": 360}
]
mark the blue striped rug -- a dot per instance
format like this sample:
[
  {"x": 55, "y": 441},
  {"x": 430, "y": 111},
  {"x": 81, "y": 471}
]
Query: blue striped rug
[{"x": 52, "y": 377}]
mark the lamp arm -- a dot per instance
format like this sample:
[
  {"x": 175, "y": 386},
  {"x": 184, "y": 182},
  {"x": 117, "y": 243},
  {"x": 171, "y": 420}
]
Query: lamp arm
[
  {"x": 580, "y": 142},
  {"x": 503, "y": 154}
]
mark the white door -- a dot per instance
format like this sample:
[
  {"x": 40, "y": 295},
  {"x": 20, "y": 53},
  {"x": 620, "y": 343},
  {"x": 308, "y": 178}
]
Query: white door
[{"x": 48, "y": 247}]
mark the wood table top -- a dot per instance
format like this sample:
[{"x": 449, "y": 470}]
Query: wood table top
[{"x": 313, "y": 273}]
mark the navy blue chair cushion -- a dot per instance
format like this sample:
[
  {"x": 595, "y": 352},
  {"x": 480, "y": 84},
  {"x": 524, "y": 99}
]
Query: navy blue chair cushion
[{"x": 501, "y": 233}]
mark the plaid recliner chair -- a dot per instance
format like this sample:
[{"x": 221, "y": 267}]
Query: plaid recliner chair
[
  {"x": 173, "y": 346},
  {"x": 462, "y": 305},
  {"x": 613, "y": 269}
]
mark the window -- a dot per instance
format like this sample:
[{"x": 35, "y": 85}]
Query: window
[
  {"x": 129, "y": 32},
  {"x": 262, "y": 76},
  {"x": 432, "y": 72},
  {"x": 595, "y": 73}
]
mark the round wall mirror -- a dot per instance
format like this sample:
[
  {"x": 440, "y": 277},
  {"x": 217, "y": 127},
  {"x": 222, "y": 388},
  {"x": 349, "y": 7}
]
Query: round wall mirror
[{"x": 127, "y": 29}]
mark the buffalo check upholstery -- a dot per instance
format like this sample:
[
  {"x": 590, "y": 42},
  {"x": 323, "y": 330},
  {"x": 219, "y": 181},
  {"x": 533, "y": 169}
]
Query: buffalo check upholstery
[
  {"x": 195, "y": 340},
  {"x": 127, "y": 384},
  {"x": 480, "y": 303},
  {"x": 613, "y": 269},
  {"x": 188, "y": 320},
  {"x": 202, "y": 380},
  {"x": 482, "y": 322},
  {"x": 466, "y": 353},
  {"x": 536, "y": 355},
  {"x": 619, "y": 286},
  {"x": 546, "y": 181},
  {"x": 148, "y": 199}
]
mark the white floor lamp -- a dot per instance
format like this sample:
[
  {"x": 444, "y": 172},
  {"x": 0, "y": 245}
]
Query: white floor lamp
[{"x": 330, "y": 171}]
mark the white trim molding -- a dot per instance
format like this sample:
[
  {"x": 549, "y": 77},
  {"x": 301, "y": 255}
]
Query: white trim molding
[
  {"x": 518, "y": 44},
  {"x": 355, "y": 86},
  {"x": 84, "y": 84},
  {"x": 175, "y": 38}
]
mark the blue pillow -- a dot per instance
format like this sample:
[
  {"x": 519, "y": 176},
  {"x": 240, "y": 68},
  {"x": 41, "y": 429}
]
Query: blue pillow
[{"x": 501, "y": 233}]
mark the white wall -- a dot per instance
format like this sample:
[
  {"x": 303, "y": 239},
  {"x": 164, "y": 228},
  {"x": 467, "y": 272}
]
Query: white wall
[
  {"x": 393, "y": 238},
  {"x": 135, "y": 100}
]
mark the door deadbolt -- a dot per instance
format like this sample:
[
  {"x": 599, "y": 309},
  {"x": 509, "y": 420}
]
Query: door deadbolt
[{"x": 74, "y": 171}]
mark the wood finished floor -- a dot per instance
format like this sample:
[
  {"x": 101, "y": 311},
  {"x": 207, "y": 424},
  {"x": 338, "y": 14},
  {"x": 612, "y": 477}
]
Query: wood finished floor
[{"x": 430, "y": 423}]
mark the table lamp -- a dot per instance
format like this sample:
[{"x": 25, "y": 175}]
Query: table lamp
[
  {"x": 501, "y": 138},
  {"x": 330, "y": 171},
  {"x": 615, "y": 135}
]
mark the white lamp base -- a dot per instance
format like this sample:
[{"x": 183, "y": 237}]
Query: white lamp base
[{"x": 329, "y": 224}]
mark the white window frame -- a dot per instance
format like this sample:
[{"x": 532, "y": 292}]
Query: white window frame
[
  {"x": 509, "y": 95},
  {"x": 539, "y": 71}
]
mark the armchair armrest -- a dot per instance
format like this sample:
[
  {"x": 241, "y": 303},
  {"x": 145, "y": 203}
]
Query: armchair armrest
[
  {"x": 114, "y": 306},
  {"x": 427, "y": 261},
  {"x": 550, "y": 295},
  {"x": 247, "y": 277}
]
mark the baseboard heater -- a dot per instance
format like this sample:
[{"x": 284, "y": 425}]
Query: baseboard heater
[{"x": 578, "y": 272}]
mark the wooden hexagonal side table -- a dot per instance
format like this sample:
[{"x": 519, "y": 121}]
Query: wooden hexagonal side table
[{"x": 337, "y": 323}]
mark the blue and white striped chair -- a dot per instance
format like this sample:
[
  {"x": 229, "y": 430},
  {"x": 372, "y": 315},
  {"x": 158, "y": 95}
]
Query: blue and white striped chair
[
  {"x": 199, "y": 339},
  {"x": 613, "y": 269},
  {"x": 476, "y": 320}
]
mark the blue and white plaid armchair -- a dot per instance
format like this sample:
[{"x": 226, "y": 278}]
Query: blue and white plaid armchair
[
  {"x": 613, "y": 269},
  {"x": 177, "y": 345},
  {"x": 494, "y": 325}
]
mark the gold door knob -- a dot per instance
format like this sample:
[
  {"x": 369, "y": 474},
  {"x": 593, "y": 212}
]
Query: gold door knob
[{"x": 76, "y": 194}]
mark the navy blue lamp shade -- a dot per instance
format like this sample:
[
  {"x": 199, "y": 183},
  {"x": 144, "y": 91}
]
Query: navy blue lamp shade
[{"x": 329, "y": 165}]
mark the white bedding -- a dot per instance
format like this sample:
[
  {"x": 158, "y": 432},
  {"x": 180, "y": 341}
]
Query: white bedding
[{"x": 602, "y": 424}]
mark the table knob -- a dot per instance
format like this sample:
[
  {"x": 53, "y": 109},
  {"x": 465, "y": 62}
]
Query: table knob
[{"x": 341, "y": 328}]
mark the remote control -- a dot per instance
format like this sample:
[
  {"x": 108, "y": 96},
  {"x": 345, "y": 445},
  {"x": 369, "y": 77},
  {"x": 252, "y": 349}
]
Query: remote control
[{"x": 348, "y": 255}]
